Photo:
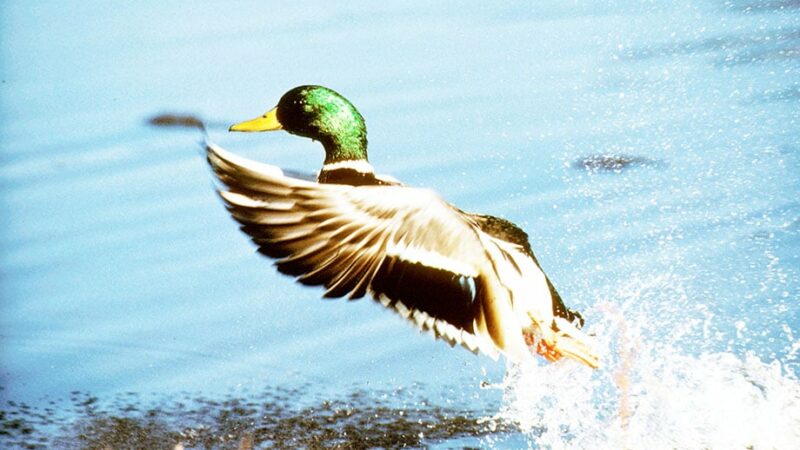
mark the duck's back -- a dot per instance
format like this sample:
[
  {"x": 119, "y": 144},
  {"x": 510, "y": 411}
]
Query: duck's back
[{"x": 353, "y": 177}]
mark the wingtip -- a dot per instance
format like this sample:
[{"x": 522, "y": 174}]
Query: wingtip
[
  {"x": 209, "y": 146},
  {"x": 225, "y": 161}
]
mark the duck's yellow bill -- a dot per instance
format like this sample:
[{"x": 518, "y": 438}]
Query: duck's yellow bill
[{"x": 267, "y": 122}]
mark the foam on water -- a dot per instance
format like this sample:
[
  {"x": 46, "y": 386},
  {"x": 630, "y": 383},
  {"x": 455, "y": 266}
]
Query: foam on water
[{"x": 657, "y": 386}]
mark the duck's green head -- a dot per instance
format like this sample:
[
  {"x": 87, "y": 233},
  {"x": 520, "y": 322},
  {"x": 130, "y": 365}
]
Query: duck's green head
[{"x": 318, "y": 113}]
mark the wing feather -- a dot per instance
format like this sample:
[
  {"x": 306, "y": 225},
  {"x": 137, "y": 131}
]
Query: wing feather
[{"x": 412, "y": 251}]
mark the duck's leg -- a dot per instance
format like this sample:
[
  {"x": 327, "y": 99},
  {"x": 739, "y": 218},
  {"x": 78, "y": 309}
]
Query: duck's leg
[{"x": 534, "y": 338}]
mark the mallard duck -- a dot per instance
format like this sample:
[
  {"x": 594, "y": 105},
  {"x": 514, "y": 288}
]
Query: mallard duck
[{"x": 470, "y": 279}]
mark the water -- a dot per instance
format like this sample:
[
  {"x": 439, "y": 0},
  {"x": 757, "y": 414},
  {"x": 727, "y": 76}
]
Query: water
[{"x": 133, "y": 310}]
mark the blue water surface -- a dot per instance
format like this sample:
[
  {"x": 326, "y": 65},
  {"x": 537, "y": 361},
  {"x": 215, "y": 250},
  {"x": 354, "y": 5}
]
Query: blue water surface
[{"x": 121, "y": 272}]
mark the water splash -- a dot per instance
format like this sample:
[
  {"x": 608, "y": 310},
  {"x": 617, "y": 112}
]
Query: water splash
[{"x": 661, "y": 385}]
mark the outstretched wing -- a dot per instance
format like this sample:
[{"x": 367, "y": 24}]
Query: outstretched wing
[{"x": 411, "y": 250}]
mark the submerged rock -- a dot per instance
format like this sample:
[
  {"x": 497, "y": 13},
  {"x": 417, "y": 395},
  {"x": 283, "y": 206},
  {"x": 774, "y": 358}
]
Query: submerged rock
[
  {"x": 612, "y": 163},
  {"x": 275, "y": 418},
  {"x": 176, "y": 120}
]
